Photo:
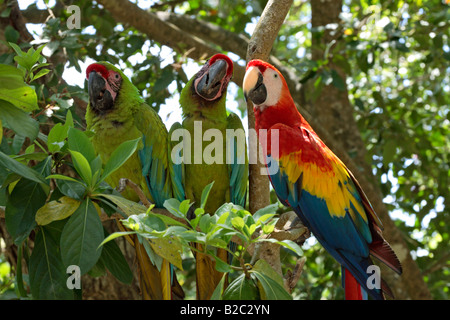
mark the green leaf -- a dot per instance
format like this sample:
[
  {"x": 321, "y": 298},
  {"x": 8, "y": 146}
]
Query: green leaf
[
  {"x": 264, "y": 267},
  {"x": 18, "y": 120},
  {"x": 163, "y": 244},
  {"x": 289, "y": 244},
  {"x": 78, "y": 141},
  {"x": 218, "y": 292},
  {"x": 241, "y": 288},
  {"x": 71, "y": 188},
  {"x": 221, "y": 265},
  {"x": 119, "y": 157},
  {"x": 62, "y": 177},
  {"x": 154, "y": 222},
  {"x": 116, "y": 235},
  {"x": 115, "y": 262},
  {"x": 82, "y": 166},
  {"x": 173, "y": 205},
  {"x": 15, "y": 91},
  {"x": 11, "y": 34},
  {"x": 238, "y": 223},
  {"x": 19, "y": 275},
  {"x": 56, "y": 210},
  {"x": 205, "y": 223},
  {"x": 184, "y": 207},
  {"x": 96, "y": 165},
  {"x": 168, "y": 248},
  {"x": 81, "y": 238},
  {"x": 5, "y": 13},
  {"x": 41, "y": 73},
  {"x": 17, "y": 49},
  {"x": 21, "y": 207},
  {"x": 56, "y": 137},
  {"x": 272, "y": 289},
  {"x": 47, "y": 273},
  {"x": 168, "y": 220},
  {"x": 205, "y": 194},
  {"x": 199, "y": 212},
  {"x": 37, "y": 54},
  {"x": 129, "y": 207},
  {"x": 271, "y": 209}
]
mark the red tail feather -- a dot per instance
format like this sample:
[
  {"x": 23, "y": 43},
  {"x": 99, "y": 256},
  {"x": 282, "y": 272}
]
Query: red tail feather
[{"x": 352, "y": 287}]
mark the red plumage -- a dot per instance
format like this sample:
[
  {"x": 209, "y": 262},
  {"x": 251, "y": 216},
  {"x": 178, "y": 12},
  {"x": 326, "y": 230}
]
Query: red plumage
[
  {"x": 97, "y": 68},
  {"x": 347, "y": 225}
]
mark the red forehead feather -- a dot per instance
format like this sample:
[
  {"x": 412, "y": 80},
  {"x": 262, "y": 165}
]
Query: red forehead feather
[
  {"x": 219, "y": 56},
  {"x": 97, "y": 68},
  {"x": 261, "y": 65}
]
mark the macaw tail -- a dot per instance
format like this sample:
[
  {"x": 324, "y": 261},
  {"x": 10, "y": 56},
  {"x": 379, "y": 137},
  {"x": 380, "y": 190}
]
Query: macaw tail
[
  {"x": 155, "y": 284},
  {"x": 353, "y": 290},
  {"x": 207, "y": 276}
]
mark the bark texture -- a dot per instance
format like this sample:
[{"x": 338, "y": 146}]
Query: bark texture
[{"x": 259, "y": 47}]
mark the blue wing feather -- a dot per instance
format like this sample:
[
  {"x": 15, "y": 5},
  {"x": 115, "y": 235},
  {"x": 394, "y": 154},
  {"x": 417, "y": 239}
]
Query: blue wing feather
[
  {"x": 238, "y": 162},
  {"x": 176, "y": 166},
  {"x": 155, "y": 174},
  {"x": 340, "y": 236}
]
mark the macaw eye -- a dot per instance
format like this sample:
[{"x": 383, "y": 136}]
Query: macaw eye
[{"x": 117, "y": 76}]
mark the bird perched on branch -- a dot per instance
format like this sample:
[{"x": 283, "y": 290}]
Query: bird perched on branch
[
  {"x": 223, "y": 160},
  {"x": 311, "y": 179},
  {"x": 117, "y": 113}
]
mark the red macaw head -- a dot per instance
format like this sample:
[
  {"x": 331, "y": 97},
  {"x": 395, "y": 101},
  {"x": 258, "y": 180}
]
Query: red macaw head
[
  {"x": 213, "y": 78},
  {"x": 104, "y": 83},
  {"x": 264, "y": 85}
]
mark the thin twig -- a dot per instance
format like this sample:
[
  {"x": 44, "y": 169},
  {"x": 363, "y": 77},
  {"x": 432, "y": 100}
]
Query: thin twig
[{"x": 124, "y": 182}]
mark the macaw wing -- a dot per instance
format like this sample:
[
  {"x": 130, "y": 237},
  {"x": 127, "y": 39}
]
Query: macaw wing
[
  {"x": 312, "y": 180},
  {"x": 153, "y": 154},
  {"x": 176, "y": 163},
  {"x": 236, "y": 149}
]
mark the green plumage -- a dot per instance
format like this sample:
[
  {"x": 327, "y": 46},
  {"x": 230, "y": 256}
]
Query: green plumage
[
  {"x": 230, "y": 177},
  {"x": 212, "y": 115},
  {"x": 125, "y": 118},
  {"x": 131, "y": 118}
]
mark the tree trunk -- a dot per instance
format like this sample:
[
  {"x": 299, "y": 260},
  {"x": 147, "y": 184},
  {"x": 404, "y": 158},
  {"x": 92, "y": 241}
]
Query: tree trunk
[
  {"x": 335, "y": 112},
  {"x": 259, "y": 47}
]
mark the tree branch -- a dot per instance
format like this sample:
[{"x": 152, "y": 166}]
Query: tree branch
[
  {"x": 259, "y": 47},
  {"x": 209, "y": 32},
  {"x": 164, "y": 32}
]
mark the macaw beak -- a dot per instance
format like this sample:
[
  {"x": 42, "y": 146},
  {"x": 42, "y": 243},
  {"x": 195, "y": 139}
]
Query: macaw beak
[
  {"x": 253, "y": 85},
  {"x": 99, "y": 97},
  {"x": 209, "y": 85}
]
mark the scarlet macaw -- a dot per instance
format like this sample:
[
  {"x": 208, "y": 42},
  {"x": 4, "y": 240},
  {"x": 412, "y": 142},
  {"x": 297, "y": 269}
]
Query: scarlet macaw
[{"x": 307, "y": 176}]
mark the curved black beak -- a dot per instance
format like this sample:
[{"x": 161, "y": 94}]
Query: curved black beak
[
  {"x": 99, "y": 98},
  {"x": 257, "y": 94},
  {"x": 211, "y": 81}
]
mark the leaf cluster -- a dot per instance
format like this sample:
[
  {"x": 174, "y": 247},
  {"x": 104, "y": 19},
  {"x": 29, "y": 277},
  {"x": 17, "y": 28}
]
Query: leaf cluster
[
  {"x": 231, "y": 228},
  {"x": 54, "y": 218}
]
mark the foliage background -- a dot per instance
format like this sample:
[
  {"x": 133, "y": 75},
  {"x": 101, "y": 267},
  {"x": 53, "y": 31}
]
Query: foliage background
[{"x": 389, "y": 58}]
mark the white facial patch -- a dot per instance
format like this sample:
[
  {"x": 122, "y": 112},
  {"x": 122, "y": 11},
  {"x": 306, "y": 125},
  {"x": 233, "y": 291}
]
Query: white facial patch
[{"x": 274, "y": 85}]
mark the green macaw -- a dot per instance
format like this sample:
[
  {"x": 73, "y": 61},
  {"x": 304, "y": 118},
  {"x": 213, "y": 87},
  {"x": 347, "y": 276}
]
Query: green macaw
[
  {"x": 117, "y": 113},
  {"x": 203, "y": 103}
]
